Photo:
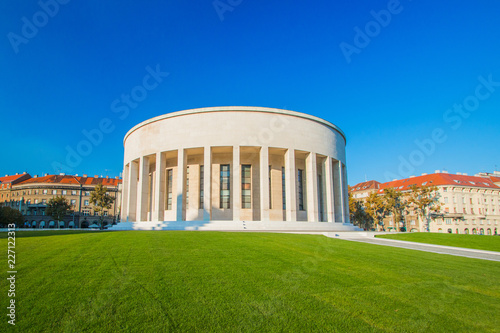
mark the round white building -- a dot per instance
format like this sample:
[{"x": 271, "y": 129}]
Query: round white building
[{"x": 235, "y": 168}]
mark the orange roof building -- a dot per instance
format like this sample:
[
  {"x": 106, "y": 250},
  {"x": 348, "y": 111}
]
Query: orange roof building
[{"x": 30, "y": 195}]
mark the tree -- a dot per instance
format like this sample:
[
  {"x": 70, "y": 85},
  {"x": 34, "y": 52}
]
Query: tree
[
  {"x": 358, "y": 214},
  {"x": 101, "y": 201},
  {"x": 10, "y": 215},
  {"x": 425, "y": 202},
  {"x": 58, "y": 208},
  {"x": 377, "y": 209},
  {"x": 396, "y": 204}
]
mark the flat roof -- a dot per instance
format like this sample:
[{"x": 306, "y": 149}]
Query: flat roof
[{"x": 235, "y": 108}]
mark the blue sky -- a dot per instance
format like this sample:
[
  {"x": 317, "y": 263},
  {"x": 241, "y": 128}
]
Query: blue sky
[{"x": 387, "y": 73}]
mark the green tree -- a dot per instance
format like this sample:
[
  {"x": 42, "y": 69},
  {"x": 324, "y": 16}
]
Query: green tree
[
  {"x": 101, "y": 200},
  {"x": 10, "y": 215},
  {"x": 376, "y": 207},
  {"x": 396, "y": 204},
  {"x": 58, "y": 207},
  {"x": 425, "y": 202}
]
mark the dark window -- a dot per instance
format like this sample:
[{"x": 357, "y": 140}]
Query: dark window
[
  {"x": 169, "y": 189},
  {"x": 246, "y": 184},
  {"x": 225, "y": 191},
  {"x": 300, "y": 184},
  {"x": 202, "y": 185}
]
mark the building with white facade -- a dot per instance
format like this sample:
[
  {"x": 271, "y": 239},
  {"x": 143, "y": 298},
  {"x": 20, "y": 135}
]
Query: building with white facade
[
  {"x": 469, "y": 204},
  {"x": 235, "y": 168}
]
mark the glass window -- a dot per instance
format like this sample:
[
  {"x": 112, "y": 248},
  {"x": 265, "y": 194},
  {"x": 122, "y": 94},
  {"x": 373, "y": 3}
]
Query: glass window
[
  {"x": 73, "y": 192},
  {"x": 202, "y": 185},
  {"x": 45, "y": 191},
  {"x": 270, "y": 191},
  {"x": 86, "y": 202},
  {"x": 54, "y": 192},
  {"x": 64, "y": 192},
  {"x": 73, "y": 202},
  {"x": 246, "y": 186},
  {"x": 225, "y": 191},
  {"x": 283, "y": 188},
  {"x": 169, "y": 189},
  {"x": 300, "y": 184},
  {"x": 187, "y": 186}
]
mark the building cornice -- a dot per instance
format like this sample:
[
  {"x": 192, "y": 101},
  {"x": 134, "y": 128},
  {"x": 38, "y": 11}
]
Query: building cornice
[{"x": 237, "y": 109}]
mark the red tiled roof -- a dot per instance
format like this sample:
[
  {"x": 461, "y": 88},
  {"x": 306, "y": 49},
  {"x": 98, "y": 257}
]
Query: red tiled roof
[
  {"x": 440, "y": 179},
  {"x": 10, "y": 179},
  {"x": 495, "y": 179},
  {"x": 369, "y": 185},
  {"x": 72, "y": 180}
]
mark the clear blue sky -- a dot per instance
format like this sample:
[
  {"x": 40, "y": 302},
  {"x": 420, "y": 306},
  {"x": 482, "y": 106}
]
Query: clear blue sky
[{"x": 61, "y": 73}]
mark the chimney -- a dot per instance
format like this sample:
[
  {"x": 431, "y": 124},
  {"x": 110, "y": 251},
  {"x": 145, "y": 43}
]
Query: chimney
[
  {"x": 76, "y": 175},
  {"x": 17, "y": 174},
  {"x": 117, "y": 177},
  {"x": 424, "y": 174},
  {"x": 62, "y": 174},
  {"x": 85, "y": 176},
  {"x": 107, "y": 177},
  {"x": 35, "y": 176},
  {"x": 412, "y": 176},
  {"x": 444, "y": 171},
  {"x": 459, "y": 173},
  {"x": 464, "y": 173},
  {"x": 96, "y": 176},
  {"x": 437, "y": 171}
]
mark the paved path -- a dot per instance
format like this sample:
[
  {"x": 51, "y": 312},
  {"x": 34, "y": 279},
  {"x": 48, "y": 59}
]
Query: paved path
[{"x": 454, "y": 251}]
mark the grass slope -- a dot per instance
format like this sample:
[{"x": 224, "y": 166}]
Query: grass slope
[
  {"x": 479, "y": 242},
  {"x": 251, "y": 282}
]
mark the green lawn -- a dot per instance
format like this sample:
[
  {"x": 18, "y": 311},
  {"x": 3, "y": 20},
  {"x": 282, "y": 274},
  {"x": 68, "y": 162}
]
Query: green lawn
[
  {"x": 479, "y": 242},
  {"x": 243, "y": 282}
]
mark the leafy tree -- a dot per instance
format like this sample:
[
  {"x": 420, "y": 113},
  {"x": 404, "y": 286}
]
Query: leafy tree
[
  {"x": 377, "y": 209},
  {"x": 101, "y": 201},
  {"x": 425, "y": 202},
  {"x": 58, "y": 207},
  {"x": 10, "y": 215},
  {"x": 396, "y": 204}
]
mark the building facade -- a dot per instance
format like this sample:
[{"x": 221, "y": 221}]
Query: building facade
[
  {"x": 30, "y": 196},
  {"x": 469, "y": 204},
  {"x": 235, "y": 164}
]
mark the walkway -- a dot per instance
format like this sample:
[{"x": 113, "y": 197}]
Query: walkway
[{"x": 366, "y": 237}]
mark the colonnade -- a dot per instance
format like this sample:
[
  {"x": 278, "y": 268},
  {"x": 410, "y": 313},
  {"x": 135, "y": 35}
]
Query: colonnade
[{"x": 278, "y": 184}]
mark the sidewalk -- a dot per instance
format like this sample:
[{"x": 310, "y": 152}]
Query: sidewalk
[{"x": 369, "y": 237}]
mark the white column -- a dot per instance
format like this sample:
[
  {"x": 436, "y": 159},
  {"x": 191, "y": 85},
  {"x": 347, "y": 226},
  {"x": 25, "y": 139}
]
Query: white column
[
  {"x": 207, "y": 183},
  {"x": 181, "y": 167},
  {"x": 124, "y": 197},
  {"x": 342, "y": 194},
  {"x": 264, "y": 184},
  {"x": 345, "y": 194},
  {"x": 330, "y": 203},
  {"x": 132, "y": 190},
  {"x": 159, "y": 197},
  {"x": 236, "y": 184},
  {"x": 312, "y": 187},
  {"x": 142, "y": 193},
  {"x": 337, "y": 192},
  {"x": 290, "y": 186}
]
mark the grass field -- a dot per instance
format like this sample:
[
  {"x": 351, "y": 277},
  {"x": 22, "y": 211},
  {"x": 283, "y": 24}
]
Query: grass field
[
  {"x": 243, "y": 282},
  {"x": 479, "y": 242}
]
